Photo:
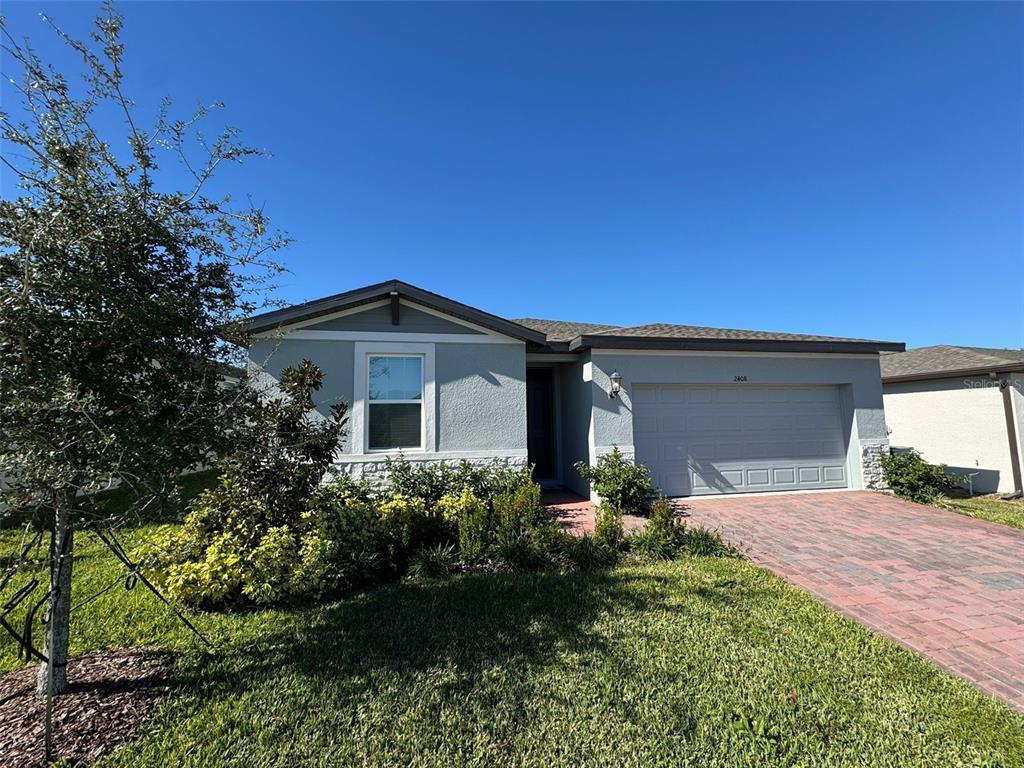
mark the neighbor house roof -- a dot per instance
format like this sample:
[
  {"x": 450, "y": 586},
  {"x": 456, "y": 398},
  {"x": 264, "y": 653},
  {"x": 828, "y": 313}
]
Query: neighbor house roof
[
  {"x": 563, "y": 335},
  {"x": 945, "y": 360}
]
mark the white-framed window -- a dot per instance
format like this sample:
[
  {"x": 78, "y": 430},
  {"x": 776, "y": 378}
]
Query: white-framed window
[{"x": 394, "y": 402}]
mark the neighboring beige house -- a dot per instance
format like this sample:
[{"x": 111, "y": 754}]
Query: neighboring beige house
[{"x": 959, "y": 406}]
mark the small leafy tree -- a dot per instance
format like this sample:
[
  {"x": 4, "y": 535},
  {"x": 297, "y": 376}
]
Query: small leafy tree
[
  {"x": 267, "y": 533},
  {"x": 117, "y": 291},
  {"x": 621, "y": 483}
]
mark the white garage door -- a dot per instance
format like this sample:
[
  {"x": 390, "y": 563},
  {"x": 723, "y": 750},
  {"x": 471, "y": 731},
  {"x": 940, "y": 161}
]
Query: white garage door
[{"x": 724, "y": 439}]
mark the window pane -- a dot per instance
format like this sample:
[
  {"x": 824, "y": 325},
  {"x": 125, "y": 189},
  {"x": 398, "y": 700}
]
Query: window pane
[
  {"x": 396, "y": 378},
  {"x": 394, "y": 425}
]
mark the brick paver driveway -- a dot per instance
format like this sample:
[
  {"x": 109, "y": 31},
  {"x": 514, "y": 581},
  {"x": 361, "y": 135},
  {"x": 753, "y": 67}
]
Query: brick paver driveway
[{"x": 948, "y": 586}]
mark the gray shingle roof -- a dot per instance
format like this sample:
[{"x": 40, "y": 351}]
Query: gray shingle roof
[
  {"x": 945, "y": 358},
  {"x": 562, "y": 330}
]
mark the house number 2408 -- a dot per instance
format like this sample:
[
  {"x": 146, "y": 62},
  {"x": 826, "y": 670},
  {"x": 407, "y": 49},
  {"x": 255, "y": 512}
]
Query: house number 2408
[{"x": 739, "y": 378}]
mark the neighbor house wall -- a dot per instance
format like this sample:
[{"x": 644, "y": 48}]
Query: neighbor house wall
[
  {"x": 857, "y": 376},
  {"x": 1017, "y": 399},
  {"x": 958, "y": 422}
]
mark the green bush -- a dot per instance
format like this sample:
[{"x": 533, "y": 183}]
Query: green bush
[
  {"x": 409, "y": 526},
  {"x": 343, "y": 538},
  {"x": 251, "y": 538},
  {"x": 226, "y": 553},
  {"x": 608, "y": 525},
  {"x": 473, "y": 521},
  {"x": 519, "y": 510},
  {"x": 433, "y": 481},
  {"x": 911, "y": 477},
  {"x": 664, "y": 535},
  {"x": 522, "y": 550},
  {"x": 624, "y": 485}
]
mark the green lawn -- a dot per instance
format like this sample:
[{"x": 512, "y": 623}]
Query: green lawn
[
  {"x": 991, "y": 508},
  {"x": 699, "y": 662}
]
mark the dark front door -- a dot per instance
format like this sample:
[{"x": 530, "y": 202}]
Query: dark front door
[{"x": 540, "y": 422}]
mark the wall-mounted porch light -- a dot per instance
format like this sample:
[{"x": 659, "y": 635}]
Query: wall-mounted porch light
[{"x": 616, "y": 379}]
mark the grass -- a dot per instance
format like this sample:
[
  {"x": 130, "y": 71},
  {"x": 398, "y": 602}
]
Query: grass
[
  {"x": 992, "y": 508},
  {"x": 703, "y": 661}
]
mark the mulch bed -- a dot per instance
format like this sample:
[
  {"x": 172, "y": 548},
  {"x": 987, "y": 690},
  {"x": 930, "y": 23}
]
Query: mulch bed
[{"x": 110, "y": 693}]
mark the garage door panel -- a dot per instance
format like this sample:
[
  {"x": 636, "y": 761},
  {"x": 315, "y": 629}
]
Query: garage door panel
[{"x": 705, "y": 440}]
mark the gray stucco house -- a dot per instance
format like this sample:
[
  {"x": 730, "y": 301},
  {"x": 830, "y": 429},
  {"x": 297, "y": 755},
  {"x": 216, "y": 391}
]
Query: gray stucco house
[{"x": 708, "y": 410}]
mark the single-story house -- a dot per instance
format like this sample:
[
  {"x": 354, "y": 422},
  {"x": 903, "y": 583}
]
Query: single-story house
[
  {"x": 959, "y": 406},
  {"x": 708, "y": 410}
]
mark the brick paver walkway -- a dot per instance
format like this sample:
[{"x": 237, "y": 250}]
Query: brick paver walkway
[{"x": 948, "y": 586}]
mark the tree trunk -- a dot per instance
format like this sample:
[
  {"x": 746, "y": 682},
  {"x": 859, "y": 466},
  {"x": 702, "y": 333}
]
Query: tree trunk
[{"x": 58, "y": 612}]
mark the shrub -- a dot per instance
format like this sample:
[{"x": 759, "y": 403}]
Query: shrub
[
  {"x": 343, "y": 538},
  {"x": 663, "y": 537},
  {"x": 409, "y": 526},
  {"x": 624, "y": 485},
  {"x": 432, "y": 482},
  {"x": 587, "y": 552},
  {"x": 428, "y": 482},
  {"x": 911, "y": 477},
  {"x": 473, "y": 521},
  {"x": 267, "y": 569},
  {"x": 437, "y": 562},
  {"x": 608, "y": 525},
  {"x": 265, "y": 533},
  {"x": 519, "y": 510},
  {"x": 520, "y": 550},
  {"x": 701, "y": 542}
]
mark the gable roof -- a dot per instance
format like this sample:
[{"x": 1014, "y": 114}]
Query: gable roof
[
  {"x": 564, "y": 335},
  {"x": 279, "y": 318},
  {"x": 945, "y": 360}
]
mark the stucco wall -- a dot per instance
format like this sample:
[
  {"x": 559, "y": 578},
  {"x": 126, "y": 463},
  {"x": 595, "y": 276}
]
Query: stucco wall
[
  {"x": 858, "y": 377},
  {"x": 479, "y": 394},
  {"x": 958, "y": 422},
  {"x": 335, "y": 358},
  {"x": 575, "y": 408}
]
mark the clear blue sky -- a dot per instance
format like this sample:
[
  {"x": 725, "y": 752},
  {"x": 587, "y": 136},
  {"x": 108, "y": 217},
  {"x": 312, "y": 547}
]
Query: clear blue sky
[{"x": 855, "y": 170}]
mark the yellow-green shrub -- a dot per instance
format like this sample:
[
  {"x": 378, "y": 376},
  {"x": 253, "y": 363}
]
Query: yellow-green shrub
[
  {"x": 268, "y": 569},
  {"x": 409, "y": 526},
  {"x": 472, "y": 519},
  {"x": 227, "y": 550}
]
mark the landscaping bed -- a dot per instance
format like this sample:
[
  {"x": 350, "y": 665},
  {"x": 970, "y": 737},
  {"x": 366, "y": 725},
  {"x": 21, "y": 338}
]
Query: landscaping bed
[
  {"x": 701, "y": 661},
  {"x": 111, "y": 693}
]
